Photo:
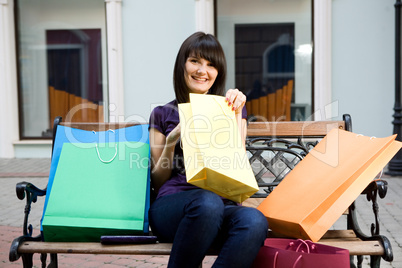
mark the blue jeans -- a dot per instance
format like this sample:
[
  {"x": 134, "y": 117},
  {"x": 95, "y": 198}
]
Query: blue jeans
[{"x": 197, "y": 220}]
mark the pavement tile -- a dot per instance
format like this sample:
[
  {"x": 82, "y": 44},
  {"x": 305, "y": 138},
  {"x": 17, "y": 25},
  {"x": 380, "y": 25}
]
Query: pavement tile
[
  {"x": 148, "y": 265},
  {"x": 159, "y": 259},
  {"x": 124, "y": 262},
  {"x": 109, "y": 265},
  {"x": 142, "y": 257}
]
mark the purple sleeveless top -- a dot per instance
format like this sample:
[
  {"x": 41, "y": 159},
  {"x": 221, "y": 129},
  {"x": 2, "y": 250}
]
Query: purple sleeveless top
[{"x": 165, "y": 118}]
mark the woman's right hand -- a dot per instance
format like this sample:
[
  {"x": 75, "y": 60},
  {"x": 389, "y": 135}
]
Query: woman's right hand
[{"x": 173, "y": 136}]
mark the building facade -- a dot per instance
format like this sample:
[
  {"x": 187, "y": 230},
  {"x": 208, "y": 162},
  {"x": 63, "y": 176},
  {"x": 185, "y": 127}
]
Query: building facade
[{"x": 112, "y": 60}]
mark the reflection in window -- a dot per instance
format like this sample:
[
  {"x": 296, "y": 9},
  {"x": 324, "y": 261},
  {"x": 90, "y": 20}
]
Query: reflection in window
[
  {"x": 62, "y": 66},
  {"x": 265, "y": 69},
  {"x": 74, "y": 69},
  {"x": 268, "y": 47}
]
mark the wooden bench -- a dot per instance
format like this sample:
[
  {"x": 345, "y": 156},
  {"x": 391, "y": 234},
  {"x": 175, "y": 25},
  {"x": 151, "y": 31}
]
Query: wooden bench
[{"x": 274, "y": 149}]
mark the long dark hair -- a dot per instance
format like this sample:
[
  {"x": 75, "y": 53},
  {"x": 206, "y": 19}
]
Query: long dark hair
[{"x": 205, "y": 46}]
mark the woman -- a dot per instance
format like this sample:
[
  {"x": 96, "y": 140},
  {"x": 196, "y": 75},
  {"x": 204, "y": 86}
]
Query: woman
[{"x": 194, "y": 219}]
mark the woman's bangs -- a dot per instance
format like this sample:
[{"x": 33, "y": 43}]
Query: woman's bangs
[{"x": 206, "y": 51}]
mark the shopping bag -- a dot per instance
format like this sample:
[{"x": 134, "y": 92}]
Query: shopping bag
[
  {"x": 138, "y": 133},
  {"x": 214, "y": 156},
  {"x": 324, "y": 184},
  {"x": 97, "y": 191},
  {"x": 288, "y": 253}
]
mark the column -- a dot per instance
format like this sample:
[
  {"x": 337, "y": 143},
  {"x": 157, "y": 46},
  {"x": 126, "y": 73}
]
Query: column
[
  {"x": 9, "y": 131},
  {"x": 115, "y": 60},
  {"x": 204, "y": 13},
  {"x": 322, "y": 60}
]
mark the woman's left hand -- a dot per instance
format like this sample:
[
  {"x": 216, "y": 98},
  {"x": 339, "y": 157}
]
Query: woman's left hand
[{"x": 236, "y": 99}]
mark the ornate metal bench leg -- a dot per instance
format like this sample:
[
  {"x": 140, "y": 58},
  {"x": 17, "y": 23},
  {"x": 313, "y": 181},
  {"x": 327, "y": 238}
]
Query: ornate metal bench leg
[
  {"x": 43, "y": 257},
  {"x": 359, "y": 261},
  {"x": 53, "y": 261},
  {"x": 27, "y": 260},
  {"x": 375, "y": 261},
  {"x": 352, "y": 262}
]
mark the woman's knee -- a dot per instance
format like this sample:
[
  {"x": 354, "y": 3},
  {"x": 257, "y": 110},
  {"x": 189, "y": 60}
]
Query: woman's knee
[
  {"x": 206, "y": 203},
  {"x": 258, "y": 219},
  {"x": 254, "y": 220}
]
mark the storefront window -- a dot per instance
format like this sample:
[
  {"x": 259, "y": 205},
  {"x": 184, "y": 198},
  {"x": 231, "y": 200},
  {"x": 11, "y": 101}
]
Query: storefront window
[
  {"x": 268, "y": 45},
  {"x": 62, "y": 63}
]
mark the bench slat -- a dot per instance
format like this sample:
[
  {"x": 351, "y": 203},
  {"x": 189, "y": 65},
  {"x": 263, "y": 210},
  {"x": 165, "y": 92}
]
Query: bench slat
[
  {"x": 293, "y": 129},
  {"x": 340, "y": 234},
  {"x": 287, "y": 129},
  {"x": 355, "y": 247},
  {"x": 94, "y": 248},
  {"x": 99, "y": 126}
]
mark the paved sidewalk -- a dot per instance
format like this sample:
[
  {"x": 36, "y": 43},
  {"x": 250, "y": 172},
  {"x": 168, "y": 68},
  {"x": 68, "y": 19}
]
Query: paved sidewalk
[{"x": 35, "y": 171}]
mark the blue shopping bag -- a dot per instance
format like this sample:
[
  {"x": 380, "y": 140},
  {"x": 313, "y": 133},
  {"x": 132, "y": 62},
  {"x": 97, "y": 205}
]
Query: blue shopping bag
[{"x": 64, "y": 134}]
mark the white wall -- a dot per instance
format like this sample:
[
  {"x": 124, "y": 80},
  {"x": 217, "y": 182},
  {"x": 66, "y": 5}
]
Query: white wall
[
  {"x": 152, "y": 34},
  {"x": 363, "y": 64}
]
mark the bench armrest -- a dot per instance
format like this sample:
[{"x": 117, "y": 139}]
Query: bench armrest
[
  {"x": 377, "y": 188},
  {"x": 30, "y": 192},
  {"x": 30, "y": 189}
]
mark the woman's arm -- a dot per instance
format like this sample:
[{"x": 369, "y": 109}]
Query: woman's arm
[{"x": 162, "y": 153}]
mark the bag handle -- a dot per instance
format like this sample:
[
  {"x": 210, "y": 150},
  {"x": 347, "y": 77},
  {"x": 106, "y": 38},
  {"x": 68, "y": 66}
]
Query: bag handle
[
  {"x": 294, "y": 264},
  {"x": 275, "y": 259},
  {"x": 310, "y": 246},
  {"x": 302, "y": 243},
  {"x": 298, "y": 259},
  {"x": 106, "y": 161},
  {"x": 97, "y": 150}
]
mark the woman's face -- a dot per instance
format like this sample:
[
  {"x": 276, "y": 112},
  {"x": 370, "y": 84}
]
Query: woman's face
[{"x": 199, "y": 75}]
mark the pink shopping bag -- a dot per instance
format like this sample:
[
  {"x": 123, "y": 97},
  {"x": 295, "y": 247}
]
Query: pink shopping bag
[{"x": 290, "y": 253}]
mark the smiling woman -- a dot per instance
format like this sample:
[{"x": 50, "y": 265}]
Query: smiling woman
[
  {"x": 200, "y": 74},
  {"x": 180, "y": 207},
  {"x": 199, "y": 46}
]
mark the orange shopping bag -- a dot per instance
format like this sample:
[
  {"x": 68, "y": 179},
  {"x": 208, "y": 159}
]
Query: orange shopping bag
[{"x": 325, "y": 183}]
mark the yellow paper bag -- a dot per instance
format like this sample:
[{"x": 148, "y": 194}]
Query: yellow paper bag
[
  {"x": 324, "y": 184},
  {"x": 214, "y": 156}
]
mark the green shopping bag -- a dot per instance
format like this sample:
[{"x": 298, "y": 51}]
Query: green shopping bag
[{"x": 98, "y": 189}]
